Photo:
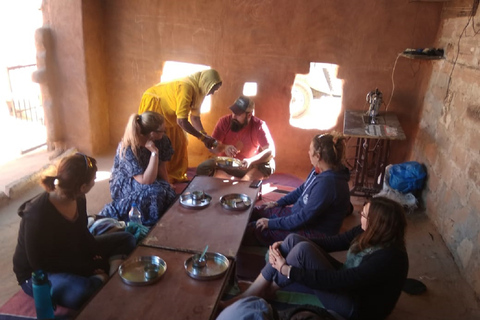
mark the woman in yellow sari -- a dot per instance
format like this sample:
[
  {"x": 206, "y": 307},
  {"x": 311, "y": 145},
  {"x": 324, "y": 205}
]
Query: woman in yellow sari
[{"x": 176, "y": 101}]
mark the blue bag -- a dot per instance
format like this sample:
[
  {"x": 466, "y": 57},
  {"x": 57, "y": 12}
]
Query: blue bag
[{"x": 407, "y": 177}]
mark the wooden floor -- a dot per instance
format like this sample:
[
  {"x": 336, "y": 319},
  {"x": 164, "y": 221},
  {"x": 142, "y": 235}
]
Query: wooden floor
[{"x": 448, "y": 295}]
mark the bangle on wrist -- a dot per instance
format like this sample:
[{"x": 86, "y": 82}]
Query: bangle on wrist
[
  {"x": 288, "y": 272},
  {"x": 283, "y": 265},
  {"x": 153, "y": 154}
]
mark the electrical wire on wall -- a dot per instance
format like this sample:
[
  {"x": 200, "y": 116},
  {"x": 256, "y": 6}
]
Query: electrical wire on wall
[
  {"x": 393, "y": 82},
  {"x": 471, "y": 18}
]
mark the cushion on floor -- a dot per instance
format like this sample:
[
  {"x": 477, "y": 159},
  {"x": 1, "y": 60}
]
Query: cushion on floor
[
  {"x": 284, "y": 299},
  {"x": 21, "y": 306}
]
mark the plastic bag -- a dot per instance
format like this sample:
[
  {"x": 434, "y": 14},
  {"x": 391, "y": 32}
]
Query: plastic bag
[
  {"x": 407, "y": 200},
  {"x": 407, "y": 177}
]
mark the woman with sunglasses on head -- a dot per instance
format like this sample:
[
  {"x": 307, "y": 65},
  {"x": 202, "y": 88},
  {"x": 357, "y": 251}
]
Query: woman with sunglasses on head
[
  {"x": 316, "y": 208},
  {"x": 366, "y": 286},
  {"x": 53, "y": 237},
  {"x": 139, "y": 173}
]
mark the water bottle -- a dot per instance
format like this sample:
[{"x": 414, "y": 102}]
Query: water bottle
[
  {"x": 135, "y": 215},
  {"x": 41, "y": 293}
]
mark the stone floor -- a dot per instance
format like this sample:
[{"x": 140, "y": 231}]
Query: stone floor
[{"x": 448, "y": 295}]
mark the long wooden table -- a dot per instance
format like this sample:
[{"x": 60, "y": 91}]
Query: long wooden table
[
  {"x": 175, "y": 296},
  {"x": 190, "y": 230},
  {"x": 179, "y": 233}
]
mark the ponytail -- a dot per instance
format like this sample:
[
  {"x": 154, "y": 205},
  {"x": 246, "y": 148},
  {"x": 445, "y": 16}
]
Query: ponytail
[
  {"x": 139, "y": 125},
  {"x": 331, "y": 148},
  {"x": 72, "y": 172},
  {"x": 49, "y": 182}
]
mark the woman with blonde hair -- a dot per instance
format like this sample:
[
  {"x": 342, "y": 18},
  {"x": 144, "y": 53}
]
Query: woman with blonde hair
[
  {"x": 53, "y": 237},
  {"x": 176, "y": 101},
  {"x": 315, "y": 209},
  {"x": 139, "y": 173}
]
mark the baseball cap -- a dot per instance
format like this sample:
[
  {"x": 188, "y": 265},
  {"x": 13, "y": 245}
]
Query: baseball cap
[{"x": 242, "y": 104}]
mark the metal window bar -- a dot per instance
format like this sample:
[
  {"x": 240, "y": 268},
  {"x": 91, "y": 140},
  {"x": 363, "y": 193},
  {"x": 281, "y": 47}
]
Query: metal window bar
[{"x": 26, "y": 99}]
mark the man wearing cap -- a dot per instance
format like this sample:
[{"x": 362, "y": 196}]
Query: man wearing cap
[{"x": 246, "y": 138}]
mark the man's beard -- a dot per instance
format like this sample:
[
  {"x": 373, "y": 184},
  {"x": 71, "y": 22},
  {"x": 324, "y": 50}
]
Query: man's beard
[{"x": 236, "y": 126}]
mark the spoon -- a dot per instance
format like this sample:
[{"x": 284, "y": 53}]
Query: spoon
[{"x": 203, "y": 254}]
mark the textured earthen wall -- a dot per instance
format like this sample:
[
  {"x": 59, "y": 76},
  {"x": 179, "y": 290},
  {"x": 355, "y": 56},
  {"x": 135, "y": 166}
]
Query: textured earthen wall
[
  {"x": 64, "y": 18},
  {"x": 269, "y": 42},
  {"x": 80, "y": 85},
  {"x": 448, "y": 141},
  {"x": 108, "y": 52},
  {"x": 95, "y": 68}
]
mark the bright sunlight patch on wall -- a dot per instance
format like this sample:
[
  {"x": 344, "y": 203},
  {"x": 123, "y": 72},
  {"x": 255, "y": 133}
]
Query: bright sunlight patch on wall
[
  {"x": 250, "y": 89},
  {"x": 316, "y": 98},
  {"x": 174, "y": 70}
]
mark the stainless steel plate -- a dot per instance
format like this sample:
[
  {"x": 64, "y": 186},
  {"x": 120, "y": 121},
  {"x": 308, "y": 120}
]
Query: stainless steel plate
[
  {"x": 187, "y": 201},
  {"x": 142, "y": 271},
  {"x": 236, "y": 201},
  {"x": 227, "y": 162},
  {"x": 217, "y": 265}
]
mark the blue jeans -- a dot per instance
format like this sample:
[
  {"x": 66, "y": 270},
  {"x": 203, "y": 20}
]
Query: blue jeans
[
  {"x": 71, "y": 290},
  {"x": 68, "y": 290},
  {"x": 302, "y": 253}
]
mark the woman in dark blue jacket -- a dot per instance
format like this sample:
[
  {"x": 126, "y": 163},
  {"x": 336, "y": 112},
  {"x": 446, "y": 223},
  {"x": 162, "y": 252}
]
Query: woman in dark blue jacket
[
  {"x": 315, "y": 209},
  {"x": 366, "y": 286}
]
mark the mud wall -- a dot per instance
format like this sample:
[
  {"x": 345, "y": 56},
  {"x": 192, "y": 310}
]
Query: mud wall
[
  {"x": 448, "y": 138},
  {"x": 110, "y": 51},
  {"x": 269, "y": 42}
]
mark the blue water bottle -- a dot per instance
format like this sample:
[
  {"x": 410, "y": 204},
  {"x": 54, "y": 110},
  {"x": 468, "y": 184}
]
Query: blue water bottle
[{"x": 41, "y": 294}]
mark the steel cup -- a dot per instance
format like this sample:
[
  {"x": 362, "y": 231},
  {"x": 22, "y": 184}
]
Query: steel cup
[
  {"x": 198, "y": 195},
  {"x": 197, "y": 263}
]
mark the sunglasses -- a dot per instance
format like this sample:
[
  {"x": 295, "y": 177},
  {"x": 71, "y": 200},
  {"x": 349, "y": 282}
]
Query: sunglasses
[{"x": 320, "y": 136}]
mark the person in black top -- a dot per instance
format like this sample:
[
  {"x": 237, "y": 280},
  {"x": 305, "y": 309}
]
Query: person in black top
[
  {"x": 366, "y": 286},
  {"x": 54, "y": 237}
]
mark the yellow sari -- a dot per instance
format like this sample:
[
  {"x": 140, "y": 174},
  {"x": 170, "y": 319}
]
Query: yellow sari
[{"x": 179, "y": 99}]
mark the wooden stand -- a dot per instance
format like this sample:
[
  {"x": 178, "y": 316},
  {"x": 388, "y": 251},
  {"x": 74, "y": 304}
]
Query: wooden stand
[{"x": 372, "y": 149}]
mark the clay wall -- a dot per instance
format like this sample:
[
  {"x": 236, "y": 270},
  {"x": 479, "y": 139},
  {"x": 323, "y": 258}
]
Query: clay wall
[
  {"x": 448, "y": 138},
  {"x": 110, "y": 51},
  {"x": 269, "y": 42}
]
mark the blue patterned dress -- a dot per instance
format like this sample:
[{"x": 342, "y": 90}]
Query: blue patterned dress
[{"x": 152, "y": 199}]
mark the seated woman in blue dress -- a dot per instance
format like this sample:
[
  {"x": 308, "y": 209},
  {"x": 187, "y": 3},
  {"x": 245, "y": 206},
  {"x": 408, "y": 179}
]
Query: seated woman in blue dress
[{"x": 139, "y": 173}]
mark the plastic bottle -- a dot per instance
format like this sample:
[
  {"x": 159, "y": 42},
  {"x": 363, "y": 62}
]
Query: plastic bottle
[
  {"x": 135, "y": 215},
  {"x": 42, "y": 295}
]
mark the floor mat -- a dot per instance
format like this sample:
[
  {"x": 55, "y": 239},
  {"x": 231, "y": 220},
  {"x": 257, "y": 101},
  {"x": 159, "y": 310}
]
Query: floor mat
[
  {"x": 21, "y": 307},
  {"x": 284, "y": 299}
]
